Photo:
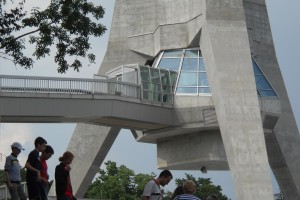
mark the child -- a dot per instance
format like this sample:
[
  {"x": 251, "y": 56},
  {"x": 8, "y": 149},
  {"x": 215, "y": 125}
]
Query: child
[
  {"x": 62, "y": 177},
  {"x": 12, "y": 173},
  {"x": 33, "y": 173}
]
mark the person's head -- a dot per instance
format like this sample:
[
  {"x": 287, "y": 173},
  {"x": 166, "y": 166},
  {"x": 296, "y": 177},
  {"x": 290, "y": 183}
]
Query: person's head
[
  {"x": 178, "y": 190},
  {"x": 212, "y": 197},
  {"x": 40, "y": 144},
  {"x": 189, "y": 187},
  {"x": 16, "y": 148},
  {"x": 165, "y": 177},
  {"x": 48, "y": 152},
  {"x": 67, "y": 158}
]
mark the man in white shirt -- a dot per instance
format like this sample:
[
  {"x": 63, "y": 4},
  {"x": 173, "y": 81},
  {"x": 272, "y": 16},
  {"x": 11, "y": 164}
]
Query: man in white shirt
[{"x": 152, "y": 189}]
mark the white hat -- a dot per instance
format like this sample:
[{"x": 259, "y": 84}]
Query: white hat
[{"x": 17, "y": 145}]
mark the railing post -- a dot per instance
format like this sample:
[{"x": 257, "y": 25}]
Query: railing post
[
  {"x": 48, "y": 85},
  {"x": 93, "y": 88},
  {"x": 25, "y": 83}
]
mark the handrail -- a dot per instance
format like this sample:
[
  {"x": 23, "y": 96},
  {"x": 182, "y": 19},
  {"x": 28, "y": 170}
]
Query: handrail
[{"x": 78, "y": 86}]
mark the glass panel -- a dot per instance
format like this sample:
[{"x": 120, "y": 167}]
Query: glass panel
[
  {"x": 167, "y": 98},
  {"x": 165, "y": 79},
  {"x": 156, "y": 96},
  {"x": 262, "y": 83},
  {"x": 146, "y": 85},
  {"x": 256, "y": 68},
  {"x": 191, "y": 53},
  {"x": 173, "y": 53},
  {"x": 155, "y": 75},
  {"x": 269, "y": 93},
  {"x": 202, "y": 65},
  {"x": 155, "y": 87},
  {"x": 191, "y": 90},
  {"x": 190, "y": 64},
  {"x": 170, "y": 63},
  {"x": 205, "y": 90},
  {"x": 188, "y": 79},
  {"x": 202, "y": 81},
  {"x": 130, "y": 77},
  {"x": 147, "y": 95},
  {"x": 144, "y": 73},
  {"x": 173, "y": 76},
  {"x": 263, "y": 86},
  {"x": 167, "y": 89}
]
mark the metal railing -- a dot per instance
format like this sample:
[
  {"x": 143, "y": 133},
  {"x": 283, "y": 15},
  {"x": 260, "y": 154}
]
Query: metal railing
[{"x": 71, "y": 86}]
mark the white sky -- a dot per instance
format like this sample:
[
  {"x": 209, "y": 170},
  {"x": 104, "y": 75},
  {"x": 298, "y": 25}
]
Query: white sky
[{"x": 284, "y": 17}]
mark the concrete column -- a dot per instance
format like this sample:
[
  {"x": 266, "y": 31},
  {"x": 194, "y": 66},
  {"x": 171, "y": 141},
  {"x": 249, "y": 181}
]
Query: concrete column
[
  {"x": 90, "y": 145},
  {"x": 284, "y": 168},
  {"x": 225, "y": 47},
  {"x": 283, "y": 144}
]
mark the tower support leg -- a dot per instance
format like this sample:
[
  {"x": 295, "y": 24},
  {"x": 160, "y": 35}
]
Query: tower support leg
[
  {"x": 225, "y": 47},
  {"x": 90, "y": 145}
]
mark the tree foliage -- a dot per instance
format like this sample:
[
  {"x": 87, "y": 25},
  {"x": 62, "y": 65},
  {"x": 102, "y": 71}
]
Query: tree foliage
[
  {"x": 64, "y": 24},
  {"x": 204, "y": 187},
  {"x": 279, "y": 196},
  {"x": 122, "y": 183},
  {"x": 118, "y": 183}
]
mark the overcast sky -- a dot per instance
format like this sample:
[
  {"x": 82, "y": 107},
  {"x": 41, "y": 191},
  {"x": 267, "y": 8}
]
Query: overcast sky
[{"x": 284, "y": 17}]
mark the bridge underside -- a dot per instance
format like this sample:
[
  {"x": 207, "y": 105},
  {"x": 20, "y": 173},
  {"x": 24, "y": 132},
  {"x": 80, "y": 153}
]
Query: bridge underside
[{"x": 106, "y": 110}]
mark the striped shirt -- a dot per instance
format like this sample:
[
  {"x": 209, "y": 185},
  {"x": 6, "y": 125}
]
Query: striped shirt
[{"x": 186, "y": 197}]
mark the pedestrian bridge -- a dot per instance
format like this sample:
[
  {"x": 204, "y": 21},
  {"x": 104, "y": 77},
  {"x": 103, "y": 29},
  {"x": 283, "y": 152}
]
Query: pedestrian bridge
[{"x": 29, "y": 99}]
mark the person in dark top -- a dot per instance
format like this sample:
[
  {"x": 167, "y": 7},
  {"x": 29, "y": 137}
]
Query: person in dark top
[
  {"x": 178, "y": 190},
  {"x": 62, "y": 177},
  {"x": 44, "y": 168},
  {"x": 33, "y": 175}
]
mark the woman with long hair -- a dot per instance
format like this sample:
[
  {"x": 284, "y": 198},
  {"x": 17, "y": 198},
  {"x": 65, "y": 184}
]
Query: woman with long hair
[{"x": 62, "y": 177}]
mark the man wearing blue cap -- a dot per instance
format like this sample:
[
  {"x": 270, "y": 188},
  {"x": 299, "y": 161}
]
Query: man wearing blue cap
[{"x": 12, "y": 173}]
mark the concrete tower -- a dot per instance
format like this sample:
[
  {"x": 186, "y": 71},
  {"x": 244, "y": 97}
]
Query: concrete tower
[{"x": 230, "y": 110}]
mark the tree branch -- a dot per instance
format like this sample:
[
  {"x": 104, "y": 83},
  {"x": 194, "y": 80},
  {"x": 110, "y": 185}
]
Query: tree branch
[
  {"x": 6, "y": 58},
  {"x": 27, "y": 34}
]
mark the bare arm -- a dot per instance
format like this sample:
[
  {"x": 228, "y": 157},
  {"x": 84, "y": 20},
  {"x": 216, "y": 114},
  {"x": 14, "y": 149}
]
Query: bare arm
[
  {"x": 45, "y": 181},
  {"x": 8, "y": 183}
]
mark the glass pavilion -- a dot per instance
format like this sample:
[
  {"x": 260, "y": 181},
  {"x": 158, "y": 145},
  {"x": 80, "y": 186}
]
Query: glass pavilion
[{"x": 179, "y": 72}]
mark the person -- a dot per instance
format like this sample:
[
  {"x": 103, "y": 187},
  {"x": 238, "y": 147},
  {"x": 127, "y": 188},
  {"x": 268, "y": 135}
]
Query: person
[
  {"x": 178, "y": 190},
  {"x": 33, "y": 173},
  {"x": 12, "y": 173},
  {"x": 189, "y": 188},
  {"x": 63, "y": 184},
  {"x": 212, "y": 197},
  {"x": 152, "y": 189},
  {"x": 46, "y": 154}
]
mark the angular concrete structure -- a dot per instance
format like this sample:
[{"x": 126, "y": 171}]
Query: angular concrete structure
[{"x": 230, "y": 97}]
